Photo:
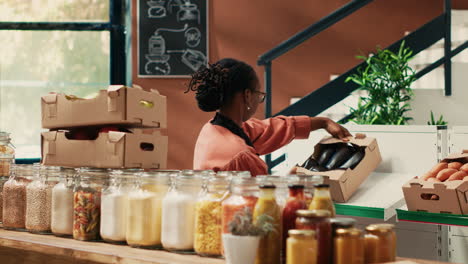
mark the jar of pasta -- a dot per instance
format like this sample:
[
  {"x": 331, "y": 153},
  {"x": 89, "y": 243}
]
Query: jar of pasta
[
  {"x": 87, "y": 202},
  {"x": 114, "y": 205},
  {"x": 380, "y": 243},
  {"x": 39, "y": 199},
  {"x": 144, "y": 215},
  {"x": 61, "y": 221},
  {"x": 208, "y": 216},
  {"x": 14, "y": 196},
  {"x": 348, "y": 246},
  {"x": 178, "y": 212}
]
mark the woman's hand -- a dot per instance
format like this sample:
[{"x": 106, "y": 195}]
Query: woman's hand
[{"x": 337, "y": 130}]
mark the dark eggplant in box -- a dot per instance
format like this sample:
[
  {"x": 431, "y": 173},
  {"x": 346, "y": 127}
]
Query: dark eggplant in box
[{"x": 335, "y": 156}]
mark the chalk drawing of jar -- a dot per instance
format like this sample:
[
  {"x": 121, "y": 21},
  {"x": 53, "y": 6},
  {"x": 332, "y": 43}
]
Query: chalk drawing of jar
[
  {"x": 187, "y": 12},
  {"x": 156, "y": 9},
  {"x": 157, "y": 59}
]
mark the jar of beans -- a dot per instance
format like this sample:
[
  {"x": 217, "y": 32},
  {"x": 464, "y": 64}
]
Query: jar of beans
[
  {"x": 14, "y": 196},
  {"x": 87, "y": 202},
  {"x": 38, "y": 199}
]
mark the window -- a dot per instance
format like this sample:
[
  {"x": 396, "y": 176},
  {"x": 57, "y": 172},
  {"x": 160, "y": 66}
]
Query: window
[{"x": 71, "y": 46}]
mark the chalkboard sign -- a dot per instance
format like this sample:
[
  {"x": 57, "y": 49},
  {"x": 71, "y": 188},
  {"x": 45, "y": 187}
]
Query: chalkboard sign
[{"x": 172, "y": 37}]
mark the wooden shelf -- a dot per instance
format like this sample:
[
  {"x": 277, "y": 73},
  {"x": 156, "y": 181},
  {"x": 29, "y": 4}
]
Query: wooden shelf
[{"x": 23, "y": 247}]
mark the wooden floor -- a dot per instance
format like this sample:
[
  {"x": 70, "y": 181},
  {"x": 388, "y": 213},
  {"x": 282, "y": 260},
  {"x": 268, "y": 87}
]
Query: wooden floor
[{"x": 23, "y": 247}]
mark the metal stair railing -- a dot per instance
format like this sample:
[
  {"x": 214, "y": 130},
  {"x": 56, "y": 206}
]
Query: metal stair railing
[{"x": 336, "y": 90}]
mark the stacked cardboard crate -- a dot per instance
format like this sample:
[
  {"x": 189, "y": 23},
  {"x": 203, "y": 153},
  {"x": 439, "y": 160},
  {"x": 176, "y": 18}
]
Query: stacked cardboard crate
[{"x": 119, "y": 128}]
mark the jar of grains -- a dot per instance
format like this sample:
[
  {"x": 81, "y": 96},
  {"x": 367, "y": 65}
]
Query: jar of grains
[
  {"x": 208, "y": 216},
  {"x": 145, "y": 206},
  {"x": 61, "y": 222},
  {"x": 7, "y": 154},
  {"x": 87, "y": 202},
  {"x": 114, "y": 200},
  {"x": 178, "y": 212},
  {"x": 14, "y": 196},
  {"x": 2, "y": 182},
  {"x": 39, "y": 198}
]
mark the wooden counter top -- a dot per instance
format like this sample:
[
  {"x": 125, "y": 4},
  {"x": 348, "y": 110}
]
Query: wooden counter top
[{"x": 22, "y": 247}]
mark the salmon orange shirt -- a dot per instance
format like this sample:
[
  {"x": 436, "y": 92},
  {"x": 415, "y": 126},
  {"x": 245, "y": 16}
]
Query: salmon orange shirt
[{"x": 223, "y": 145}]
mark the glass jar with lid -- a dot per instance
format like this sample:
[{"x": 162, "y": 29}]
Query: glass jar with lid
[
  {"x": 114, "y": 205},
  {"x": 348, "y": 246},
  {"x": 318, "y": 220},
  {"x": 281, "y": 183},
  {"x": 61, "y": 222},
  {"x": 269, "y": 248},
  {"x": 322, "y": 199},
  {"x": 2, "y": 182},
  {"x": 341, "y": 222},
  {"x": 178, "y": 212},
  {"x": 14, "y": 196},
  {"x": 380, "y": 243},
  {"x": 144, "y": 215},
  {"x": 208, "y": 216},
  {"x": 309, "y": 182},
  {"x": 87, "y": 202},
  {"x": 301, "y": 247},
  {"x": 294, "y": 202},
  {"x": 39, "y": 199},
  {"x": 7, "y": 154},
  {"x": 244, "y": 193}
]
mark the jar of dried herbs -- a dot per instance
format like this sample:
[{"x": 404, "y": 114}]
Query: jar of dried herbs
[
  {"x": 39, "y": 199},
  {"x": 14, "y": 196},
  {"x": 87, "y": 202}
]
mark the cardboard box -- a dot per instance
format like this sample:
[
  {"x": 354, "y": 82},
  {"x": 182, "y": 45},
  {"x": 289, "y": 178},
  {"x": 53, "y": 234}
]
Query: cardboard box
[
  {"x": 450, "y": 197},
  {"x": 143, "y": 148},
  {"x": 343, "y": 183},
  {"x": 118, "y": 105}
]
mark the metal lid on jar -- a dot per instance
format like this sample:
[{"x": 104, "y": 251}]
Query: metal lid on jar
[
  {"x": 301, "y": 233},
  {"x": 267, "y": 186},
  {"x": 296, "y": 186},
  {"x": 322, "y": 185},
  {"x": 354, "y": 232},
  {"x": 313, "y": 213},
  {"x": 380, "y": 228},
  {"x": 246, "y": 181},
  {"x": 343, "y": 222}
]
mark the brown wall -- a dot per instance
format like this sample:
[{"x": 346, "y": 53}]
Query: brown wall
[{"x": 245, "y": 29}]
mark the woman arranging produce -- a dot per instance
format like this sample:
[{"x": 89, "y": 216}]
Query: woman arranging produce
[{"x": 232, "y": 87}]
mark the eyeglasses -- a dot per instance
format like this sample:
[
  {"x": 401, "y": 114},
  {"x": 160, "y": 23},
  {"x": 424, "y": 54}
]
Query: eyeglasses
[{"x": 261, "y": 97}]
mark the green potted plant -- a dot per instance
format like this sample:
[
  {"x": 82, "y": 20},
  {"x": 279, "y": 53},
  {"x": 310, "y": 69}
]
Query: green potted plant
[
  {"x": 437, "y": 122},
  {"x": 386, "y": 79},
  {"x": 241, "y": 243}
]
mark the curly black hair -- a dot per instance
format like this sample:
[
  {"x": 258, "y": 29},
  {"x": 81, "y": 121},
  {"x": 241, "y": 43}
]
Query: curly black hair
[{"x": 216, "y": 85}]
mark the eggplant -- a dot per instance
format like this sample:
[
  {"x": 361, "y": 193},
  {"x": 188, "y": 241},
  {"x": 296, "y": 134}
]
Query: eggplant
[
  {"x": 343, "y": 154},
  {"x": 326, "y": 154},
  {"x": 318, "y": 168},
  {"x": 353, "y": 161},
  {"x": 309, "y": 163}
]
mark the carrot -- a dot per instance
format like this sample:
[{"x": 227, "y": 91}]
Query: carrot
[
  {"x": 455, "y": 165},
  {"x": 438, "y": 167},
  {"x": 428, "y": 175},
  {"x": 464, "y": 167},
  {"x": 434, "y": 180},
  {"x": 445, "y": 174},
  {"x": 459, "y": 175}
]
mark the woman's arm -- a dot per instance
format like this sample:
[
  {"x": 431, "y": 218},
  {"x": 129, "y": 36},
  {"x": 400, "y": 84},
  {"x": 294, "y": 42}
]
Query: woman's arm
[{"x": 273, "y": 133}]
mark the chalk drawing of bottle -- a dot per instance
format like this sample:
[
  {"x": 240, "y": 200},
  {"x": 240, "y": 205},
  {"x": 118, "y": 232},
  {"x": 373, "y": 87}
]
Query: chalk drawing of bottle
[
  {"x": 157, "y": 59},
  {"x": 156, "y": 9}
]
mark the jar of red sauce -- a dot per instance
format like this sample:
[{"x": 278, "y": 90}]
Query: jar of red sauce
[{"x": 294, "y": 202}]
